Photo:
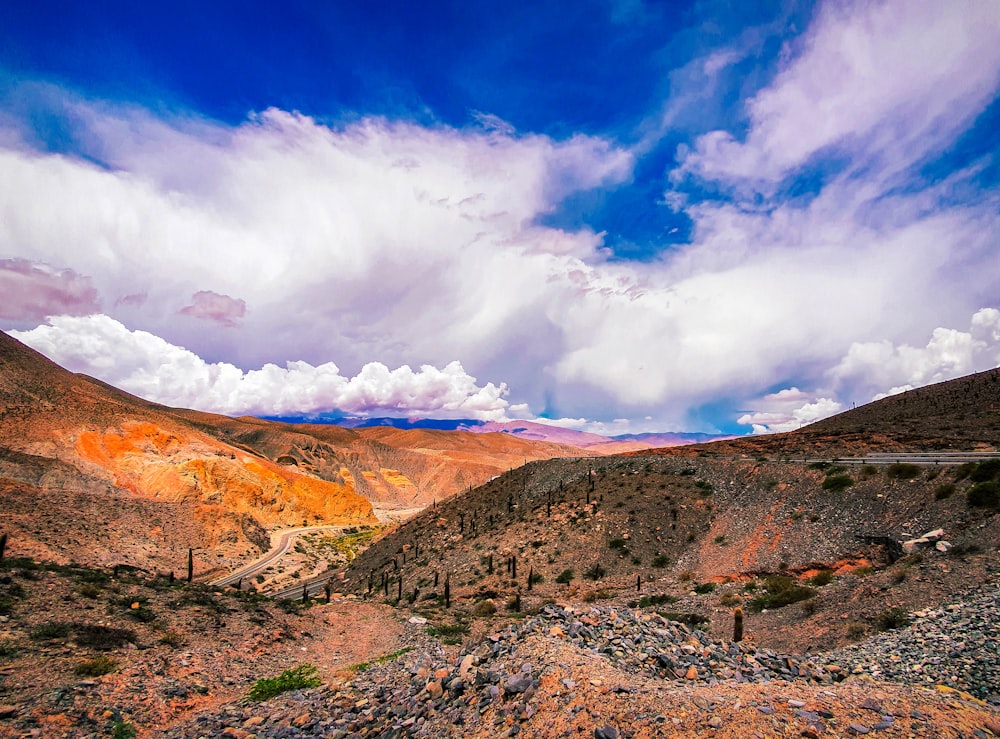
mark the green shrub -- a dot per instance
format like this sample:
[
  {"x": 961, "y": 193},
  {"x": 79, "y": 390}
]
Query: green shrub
[
  {"x": 537, "y": 577},
  {"x": 102, "y": 637},
  {"x": 986, "y": 471},
  {"x": 691, "y": 619},
  {"x": 50, "y": 631},
  {"x": 661, "y": 560},
  {"x": 8, "y": 649},
  {"x": 654, "y": 600},
  {"x": 985, "y": 495},
  {"x": 902, "y": 471},
  {"x": 704, "y": 486},
  {"x": 836, "y": 483},
  {"x": 869, "y": 470},
  {"x": 595, "y": 572},
  {"x": 617, "y": 544},
  {"x": 484, "y": 608},
  {"x": 303, "y": 676},
  {"x": 95, "y": 667},
  {"x": 780, "y": 591},
  {"x": 704, "y": 588},
  {"x": 944, "y": 491},
  {"x": 721, "y": 540},
  {"x": 821, "y": 578},
  {"x": 123, "y": 730},
  {"x": 893, "y": 618},
  {"x": 565, "y": 576}
]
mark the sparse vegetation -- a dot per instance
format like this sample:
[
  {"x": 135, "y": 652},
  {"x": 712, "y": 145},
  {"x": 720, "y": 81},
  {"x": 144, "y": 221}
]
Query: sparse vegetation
[
  {"x": 595, "y": 572},
  {"x": 95, "y": 667},
  {"x": 821, "y": 578},
  {"x": 704, "y": 588},
  {"x": 944, "y": 491},
  {"x": 985, "y": 495},
  {"x": 661, "y": 560},
  {"x": 902, "y": 471},
  {"x": 780, "y": 591},
  {"x": 565, "y": 577},
  {"x": 892, "y": 618},
  {"x": 122, "y": 729},
  {"x": 837, "y": 483},
  {"x": 297, "y": 678}
]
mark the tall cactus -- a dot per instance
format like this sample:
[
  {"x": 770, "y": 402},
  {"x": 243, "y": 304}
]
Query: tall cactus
[{"x": 738, "y": 624}]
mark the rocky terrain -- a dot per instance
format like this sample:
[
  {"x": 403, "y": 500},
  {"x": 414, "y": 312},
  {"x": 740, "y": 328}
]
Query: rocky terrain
[
  {"x": 578, "y": 595},
  {"x": 93, "y": 475}
]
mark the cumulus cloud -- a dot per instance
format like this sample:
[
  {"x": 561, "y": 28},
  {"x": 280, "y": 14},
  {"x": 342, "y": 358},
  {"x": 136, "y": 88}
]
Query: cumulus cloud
[
  {"x": 887, "y": 368},
  {"x": 210, "y": 306},
  {"x": 787, "y": 410},
  {"x": 33, "y": 290},
  {"x": 413, "y": 245},
  {"x": 152, "y": 368},
  {"x": 895, "y": 78}
]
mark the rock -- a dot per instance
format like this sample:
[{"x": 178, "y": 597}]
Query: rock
[
  {"x": 858, "y": 729},
  {"x": 7, "y": 711},
  {"x": 606, "y": 732},
  {"x": 796, "y": 704},
  {"x": 943, "y": 546},
  {"x": 417, "y": 620},
  {"x": 434, "y": 689},
  {"x": 692, "y": 673},
  {"x": 518, "y": 683}
]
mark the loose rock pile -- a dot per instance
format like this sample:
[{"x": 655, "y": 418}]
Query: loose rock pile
[{"x": 490, "y": 689}]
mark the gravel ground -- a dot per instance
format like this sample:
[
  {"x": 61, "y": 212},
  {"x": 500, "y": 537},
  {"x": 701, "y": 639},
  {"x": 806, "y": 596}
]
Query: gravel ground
[{"x": 610, "y": 672}]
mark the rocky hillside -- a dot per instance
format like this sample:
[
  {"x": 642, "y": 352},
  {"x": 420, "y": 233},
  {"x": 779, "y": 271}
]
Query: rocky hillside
[
  {"x": 92, "y": 474},
  {"x": 393, "y": 468}
]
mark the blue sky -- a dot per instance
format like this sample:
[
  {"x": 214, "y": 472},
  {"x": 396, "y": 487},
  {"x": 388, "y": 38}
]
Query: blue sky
[{"x": 619, "y": 216}]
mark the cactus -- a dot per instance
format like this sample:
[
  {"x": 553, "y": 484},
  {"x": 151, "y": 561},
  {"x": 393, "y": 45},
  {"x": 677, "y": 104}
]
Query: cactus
[
  {"x": 513, "y": 568},
  {"x": 399, "y": 593},
  {"x": 638, "y": 583},
  {"x": 3, "y": 544},
  {"x": 531, "y": 576},
  {"x": 447, "y": 591},
  {"x": 738, "y": 624},
  {"x": 435, "y": 579},
  {"x": 305, "y": 593},
  {"x": 327, "y": 590},
  {"x": 190, "y": 564}
]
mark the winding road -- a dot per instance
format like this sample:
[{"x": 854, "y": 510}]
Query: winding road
[{"x": 278, "y": 548}]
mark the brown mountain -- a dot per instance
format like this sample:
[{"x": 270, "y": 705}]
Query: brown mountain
[
  {"x": 91, "y": 473},
  {"x": 725, "y": 517}
]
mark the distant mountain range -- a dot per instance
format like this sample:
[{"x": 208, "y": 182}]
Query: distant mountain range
[{"x": 531, "y": 430}]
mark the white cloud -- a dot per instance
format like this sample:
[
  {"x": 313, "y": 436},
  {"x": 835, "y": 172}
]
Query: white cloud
[
  {"x": 150, "y": 367},
  {"x": 29, "y": 291},
  {"x": 871, "y": 367},
  {"x": 787, "y": 410},
  {"x": 385, "y": 241},
  {"x": 896, "y": 78}
]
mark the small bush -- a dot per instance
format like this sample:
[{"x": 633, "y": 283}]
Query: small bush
[
  {"x": 691, "y": 619},
  {"x": 484, "y": 608},
  {"x": 821, "y": 578},
  {"x": 944, "y": 491},
  {"x": 102, "y": 637},
  {"x": 172, "y": 639},
  {"x": 8, "y": 649},
  {"x": 869, "y": 470},
  {"x": 123, "y": 730},
  {"x": 809, "y": 607},
  {"x": 855, "y": 629},
  {"x": 730, "y": 599},
  {"x": 298, "y": 678},
  {"x": 836, "y": 483},
  {"x": 985, "y": 495},
  {"x": 902, "y": 471},
  {"x": 704, "y": 486},
  {"x": 863, "y": 571},
  {"x": 986, "y": 471},
  {"x": 661, "y": 560},
  {"x": 50, "y": 631},
  {"x": 704, "y": 588},
  {"x": 617, "y": 544},
  {"x": 893, "y": 618},
  {"x": 95, "y": 667},
  {"x": 780, "y": 591},
  {"x": 89, "y": 590},
  {"x": 595, "y": 572},
  {"x": 592, "y": 596},
  {"x": 565, "y": 577},
  {"x": 721, "y": 540},
  {"x": 654, "y": 600}
]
